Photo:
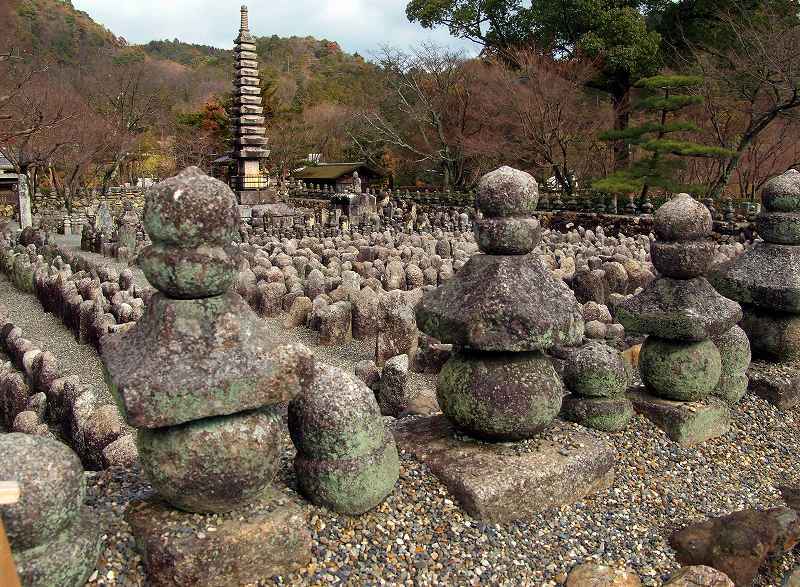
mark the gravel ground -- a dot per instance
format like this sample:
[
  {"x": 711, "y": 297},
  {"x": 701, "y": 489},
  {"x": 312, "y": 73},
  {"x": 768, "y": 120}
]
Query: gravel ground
[
  {"x": 420, "y": 536},
  {"x": 50, "y": 334}
]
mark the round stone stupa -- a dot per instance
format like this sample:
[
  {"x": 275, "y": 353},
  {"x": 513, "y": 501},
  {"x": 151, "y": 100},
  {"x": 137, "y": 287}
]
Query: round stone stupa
[{"x": 501, "y": 311}]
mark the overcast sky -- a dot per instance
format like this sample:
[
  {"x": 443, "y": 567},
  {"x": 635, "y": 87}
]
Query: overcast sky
[{"x": 357, "y": 25}]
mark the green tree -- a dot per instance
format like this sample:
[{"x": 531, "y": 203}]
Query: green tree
[
  {"x": 613, "y": 33},
  {"x": 665, "y": 97}
]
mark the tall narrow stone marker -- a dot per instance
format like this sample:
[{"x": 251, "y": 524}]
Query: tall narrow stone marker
[
  {"x": 201, "y": 380},
  {"x": 681, "y": 313},
  {"x": 766, "y": 281},
  {"x": 501, "y": 311}
]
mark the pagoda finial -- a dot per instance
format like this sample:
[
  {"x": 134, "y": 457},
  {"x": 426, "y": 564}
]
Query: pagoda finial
[{"x": 245, "y": 19}]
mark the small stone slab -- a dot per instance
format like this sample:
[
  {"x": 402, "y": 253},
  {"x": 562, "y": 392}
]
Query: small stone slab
[
  {"x": 510, "y": 481},
  {"x": 777, "y": 383},
  {"x": 241, "y": 547},
  {"x": 687, "y": 423}
]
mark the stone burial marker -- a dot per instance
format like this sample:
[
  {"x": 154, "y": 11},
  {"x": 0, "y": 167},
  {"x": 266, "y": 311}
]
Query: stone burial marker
[
  {"x": 501, "y": 311},
  {"x": 55, "y": 539},
  {"x": 200, "y": 379},
  {"x": 682, "y": 314},
  {"x": 766, "y": 281}
]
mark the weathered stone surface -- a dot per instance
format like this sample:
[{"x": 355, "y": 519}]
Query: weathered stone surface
[
  {"x": 249, "y": 544},
  {"x": 335, "y": 324},
  {"x": 190, "y": 210},
  {"x": 682, "y": 260},
  {"x": 298, "y": 313},
  {"x": 502, "y": 303},
  {"x": 123, "y": 452},
  {"x": 738, "y": 544},
  {"x": 606, "y": 414},
  {"x": 395, "y": 394},
  {"x": 683, "y": 310},
  {"x": 52, "y": 488},
  {"x": 734, "y": 350},
  {"x": 190, "y": 273},
  {"x": 779, "y": 384},
  {"x": 596, "y": 370},
  {"x": 190, "y": 359},
  {"x": 500, "y": 483},
  {"x": 680, "y": 371},
  {"x": 782, "y": 193},
  {"x": 67, "y": 558},
  {"x": 213, "y": 464},
  {"x": 505, "y": 396},
  {"x": 682, "y": 218},
  {"x": 765, "y": 275},
  {"x": 779, "y": 227},
  {"x": 345, "y": 459},
  {"x": 507, "y": 236},
  {"x": 792, "y": 579},
  {"x": 772, "y": 335},
  {"x": 699, "y": 576},
  {"x": 687, "y": 423},
  {"x": 594, "y": 575},
  {"x": 507, "y": 192},
  {"x": 397, "y": 327}
]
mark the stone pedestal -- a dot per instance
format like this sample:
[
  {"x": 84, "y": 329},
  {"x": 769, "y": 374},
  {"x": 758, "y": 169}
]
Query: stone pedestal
[
  {"x": 504, "y": 482},
  {"x": 687, "y": 423},
  {"x": 249, "y": 544},
  {"x": 777, "y": 383}
]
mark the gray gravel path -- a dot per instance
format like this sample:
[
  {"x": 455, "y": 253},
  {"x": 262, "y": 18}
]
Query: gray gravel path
[{"x": 50, "y": 334}]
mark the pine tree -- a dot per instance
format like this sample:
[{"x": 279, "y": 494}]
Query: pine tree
[{"x": 665, "y": 96}]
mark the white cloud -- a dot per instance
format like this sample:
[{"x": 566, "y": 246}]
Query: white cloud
[{"x": 357, "y": 25}]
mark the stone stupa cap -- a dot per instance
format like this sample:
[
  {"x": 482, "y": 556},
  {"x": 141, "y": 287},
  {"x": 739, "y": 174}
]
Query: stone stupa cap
[{"x": 683, "y": 218}]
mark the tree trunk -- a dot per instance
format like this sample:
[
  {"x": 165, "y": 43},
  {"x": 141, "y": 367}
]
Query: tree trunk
[{"x": 621, "y": 103}]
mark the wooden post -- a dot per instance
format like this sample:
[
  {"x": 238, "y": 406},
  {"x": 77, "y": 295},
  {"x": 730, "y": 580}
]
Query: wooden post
[{"x": 9, "y": 494}]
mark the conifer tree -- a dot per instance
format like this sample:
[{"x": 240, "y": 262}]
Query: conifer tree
[{"x": 665, "y": 96}]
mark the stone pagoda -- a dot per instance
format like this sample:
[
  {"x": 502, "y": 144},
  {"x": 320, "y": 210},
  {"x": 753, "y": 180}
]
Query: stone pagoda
[
  {"x": 501, "y": 312},
  {"x": 249, "y": 132}
]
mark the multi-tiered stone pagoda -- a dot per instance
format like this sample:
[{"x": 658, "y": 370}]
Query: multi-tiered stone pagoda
[{"x": 249, "y": 132}]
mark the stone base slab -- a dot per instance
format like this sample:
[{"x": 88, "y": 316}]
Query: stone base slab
[
  {"x": 777, "y": 383},
  {"x": 509, "y": 481},
  {"x": 254, "y": 543},
  {"x": 687, "y": 423}
]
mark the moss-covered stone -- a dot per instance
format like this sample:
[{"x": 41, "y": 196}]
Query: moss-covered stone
[
  {"x": 190, "y": 273},
  {"x": 680, "y": 371},
  {"x": 731, "y": 388},
  {"x": 213, "y": 464},
  {"x": 191, "y": 209},
  {"x": 773, "y": 335},
  {"x": 346, "y": 460},
  {"x": 66, "y": 559},
  {"x": 500, "y": 396},
  {"x": 779, "y": 227},
  {"x": 507, "y": 236},
  {"x": 52, "y": 488},
  {"x": 606, "y": 414},
  {"x": 596, "y": 370},
  {"x": 350, "y": 486}
]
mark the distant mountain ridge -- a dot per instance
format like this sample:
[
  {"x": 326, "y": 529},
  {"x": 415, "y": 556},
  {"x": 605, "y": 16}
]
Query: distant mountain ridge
[{"x": 302, "y": 70}]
